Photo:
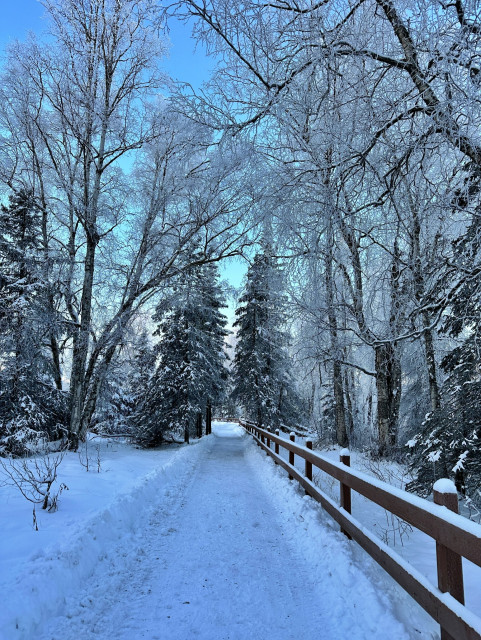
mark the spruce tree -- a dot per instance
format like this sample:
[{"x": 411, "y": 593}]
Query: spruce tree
[
  {"x": 263, "y": 385},
  {"x": 31, "y": 408},
  {"x": 142, "y": 368},
  {"x": 123, "y": 389},
  {"x": 115, "y": 404},
  {"x": 191, "y": 359},
  {"x": 449, "y": 443}
]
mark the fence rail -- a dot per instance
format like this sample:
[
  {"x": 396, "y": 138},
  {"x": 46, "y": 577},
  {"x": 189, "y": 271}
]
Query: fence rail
[{"x": 455, "y": 536}]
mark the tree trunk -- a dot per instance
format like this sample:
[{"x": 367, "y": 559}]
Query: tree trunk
[
  {"x": 312, "y": 397},
  {"x": 199, "y": 425},
  {"x": 53, "y": 342},
  {"x": 339, "y": 409},
  {"x": 340, "y": 413},
  {"x": 57, "y": 373},
  {"x": 350, "y": 412},
  {"x": 388, "y": 386},
  {"x": 80, "y": 352},
  {"x": 431, "y": 367},
  {"x": 419, "y": 290}
]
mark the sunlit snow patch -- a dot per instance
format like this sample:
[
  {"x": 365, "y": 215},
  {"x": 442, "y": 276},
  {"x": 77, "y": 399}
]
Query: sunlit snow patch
[{"x": 227, "y": 430}]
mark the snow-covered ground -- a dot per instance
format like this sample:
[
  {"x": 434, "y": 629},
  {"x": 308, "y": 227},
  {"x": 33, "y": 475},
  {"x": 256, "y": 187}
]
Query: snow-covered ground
[
  {"x": 38, "y": 568},
  {"x": 209, "y": 540},
  {"x": 413, "y": 545}
]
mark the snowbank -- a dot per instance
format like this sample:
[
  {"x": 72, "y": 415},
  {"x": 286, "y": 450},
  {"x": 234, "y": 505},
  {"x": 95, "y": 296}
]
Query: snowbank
[
  {"x": 316, "y": 539},
  {"x": 411, "y": 544},
  {"x": 40, "y": 568}
]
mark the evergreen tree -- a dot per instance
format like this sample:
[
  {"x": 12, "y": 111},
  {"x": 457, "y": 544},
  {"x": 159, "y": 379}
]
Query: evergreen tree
[
  {"x": 115, "y": 404},
  {"x": 142, "y": 369},
  {"x": 263, "y": 385},
  {"x": 228, "y": 408},
  {"x": 191, "y": 359},
  {"x": 449, "y": 444},
  {"x": 123, "y": 389},
  {"x": 31, "y": 408}
]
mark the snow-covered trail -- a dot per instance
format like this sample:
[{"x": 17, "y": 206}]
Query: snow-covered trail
[{"x": 216, "y": 561}]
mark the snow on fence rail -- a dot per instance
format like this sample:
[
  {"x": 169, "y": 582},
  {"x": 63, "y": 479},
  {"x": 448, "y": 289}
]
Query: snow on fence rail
[{"x": 455, "y": 536}]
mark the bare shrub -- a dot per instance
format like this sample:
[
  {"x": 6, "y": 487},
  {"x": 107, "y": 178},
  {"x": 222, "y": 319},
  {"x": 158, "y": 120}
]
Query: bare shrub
[
  {"x": 85, "y": 456},
  {"x": 35, "y": 478},
  {"x": 395, "y": 529}
]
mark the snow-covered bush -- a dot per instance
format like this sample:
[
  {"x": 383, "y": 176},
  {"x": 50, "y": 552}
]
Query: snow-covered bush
[{"x": 36, "y": 478}]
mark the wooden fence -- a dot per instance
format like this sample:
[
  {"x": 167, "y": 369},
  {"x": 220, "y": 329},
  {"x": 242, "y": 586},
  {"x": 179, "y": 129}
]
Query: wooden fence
[{"x": 456, "y": 537}]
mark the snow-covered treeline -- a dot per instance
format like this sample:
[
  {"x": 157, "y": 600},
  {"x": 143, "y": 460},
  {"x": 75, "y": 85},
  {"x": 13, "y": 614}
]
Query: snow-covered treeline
[
  {"x": 106, "y": 189},
  {"x": 343, "y": 136},
  {"x": 367, "y": 115}
]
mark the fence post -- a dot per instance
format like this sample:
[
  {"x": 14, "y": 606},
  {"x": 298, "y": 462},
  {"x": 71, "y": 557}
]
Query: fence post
[
  {"x": 268, "y": 441},
  {"x": 276, "y": 445},
  {"x": 450, "y": 564},
  {"x": 308, "y": 467},
  {"x": 292, "y": 438},
  {"x": 345, "y": 491}
]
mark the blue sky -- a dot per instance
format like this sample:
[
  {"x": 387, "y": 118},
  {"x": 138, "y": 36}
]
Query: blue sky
[
  {"x": 185, "y": 62},
  {"x": 18, "y": 17}
]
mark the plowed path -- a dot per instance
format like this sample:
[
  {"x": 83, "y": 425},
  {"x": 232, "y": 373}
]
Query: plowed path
[{"x": 217, "y": 559}]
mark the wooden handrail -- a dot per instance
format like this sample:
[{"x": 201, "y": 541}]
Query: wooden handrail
[{"x": 450, "y": 530}]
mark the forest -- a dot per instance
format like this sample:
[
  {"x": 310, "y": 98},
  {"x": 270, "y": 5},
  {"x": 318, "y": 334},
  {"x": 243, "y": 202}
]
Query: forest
[{"x": 335, "y": 151}]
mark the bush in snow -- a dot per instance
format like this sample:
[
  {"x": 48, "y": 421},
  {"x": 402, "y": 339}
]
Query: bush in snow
[{"x": 36, "y": 478}]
